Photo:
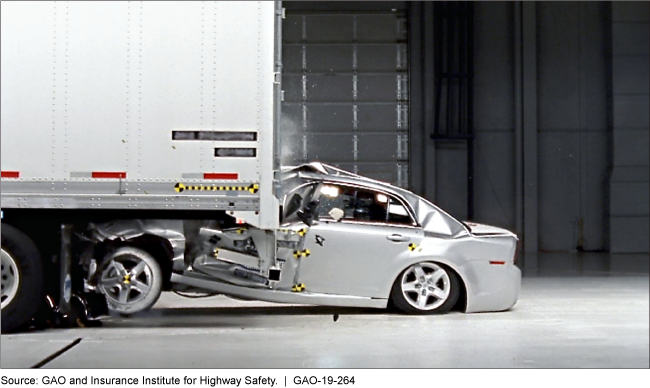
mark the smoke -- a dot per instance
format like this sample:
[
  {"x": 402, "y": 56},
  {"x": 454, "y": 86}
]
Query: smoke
[{"x": 290, "y": 141}]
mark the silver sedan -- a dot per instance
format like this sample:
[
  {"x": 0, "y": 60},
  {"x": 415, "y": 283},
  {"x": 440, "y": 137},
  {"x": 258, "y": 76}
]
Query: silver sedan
[{"x": 373, "y": 240}]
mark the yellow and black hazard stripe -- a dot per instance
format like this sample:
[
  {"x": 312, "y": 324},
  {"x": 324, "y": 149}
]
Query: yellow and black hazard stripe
[
  {"x": 301, "y": 232},
  {"x": 180, "y": 187},
  {"x": 299, "y": 254},
  {"x": 300, "y": 287},
  {"x": 413, "y": 247}
]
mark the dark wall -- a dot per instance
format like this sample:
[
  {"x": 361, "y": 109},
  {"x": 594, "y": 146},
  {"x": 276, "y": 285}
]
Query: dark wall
[
  {"x": 576, "y": 130},
  {"x": 630, "y": 141},
  {"x": 572, "y": 60}
]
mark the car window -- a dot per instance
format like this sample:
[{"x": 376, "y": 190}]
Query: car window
[
  {"x": 297, "y": 200},
  {"x": 397, "y": 213},
  {"x": 362, "y": 205}
]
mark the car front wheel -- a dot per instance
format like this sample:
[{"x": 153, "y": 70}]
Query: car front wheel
[
  {"x": 425, "y": 288},
  {"x": 131, "y": 280}
]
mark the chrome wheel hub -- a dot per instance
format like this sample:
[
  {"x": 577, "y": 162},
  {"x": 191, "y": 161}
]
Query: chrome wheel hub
[
  {"x": 425, "y": 286},
  {"x": 127, "y": 279}
]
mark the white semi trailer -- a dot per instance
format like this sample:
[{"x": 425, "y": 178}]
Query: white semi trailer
[
  {"x": 140, "y": 153},
  {"x": 132, "y": 131}
]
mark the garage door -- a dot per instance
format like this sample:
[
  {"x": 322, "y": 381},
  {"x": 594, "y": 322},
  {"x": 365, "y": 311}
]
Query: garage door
[{"x": 345, "y": 77}]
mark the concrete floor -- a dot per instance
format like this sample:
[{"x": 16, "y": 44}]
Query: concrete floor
[{"x": 590, "y": 319}]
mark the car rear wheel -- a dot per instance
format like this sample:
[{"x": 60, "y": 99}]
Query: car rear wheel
[
  {"x": 425, "y": 288},
  {"x": 22, "y": 278},
  {"x": 131, "y": 280}
]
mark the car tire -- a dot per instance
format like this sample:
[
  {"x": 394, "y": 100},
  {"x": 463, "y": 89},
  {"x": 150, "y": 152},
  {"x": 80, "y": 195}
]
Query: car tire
[
  {"x": 131, "y": 279},
  {"x": 22, "y": 278},
  {"x": 425, "y": 288}
]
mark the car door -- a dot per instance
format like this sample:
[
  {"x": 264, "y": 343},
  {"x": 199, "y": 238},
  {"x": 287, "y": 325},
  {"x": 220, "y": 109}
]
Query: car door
[{"x": 351, "y": 255}]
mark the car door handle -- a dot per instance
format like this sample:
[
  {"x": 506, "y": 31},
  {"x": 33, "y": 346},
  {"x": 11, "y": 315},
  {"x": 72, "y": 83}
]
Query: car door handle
[{"x": 398, "y": 238}]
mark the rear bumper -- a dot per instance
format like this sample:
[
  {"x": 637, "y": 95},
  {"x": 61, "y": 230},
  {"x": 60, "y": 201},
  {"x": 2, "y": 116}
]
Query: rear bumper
[{"x": 491, "y": 287}]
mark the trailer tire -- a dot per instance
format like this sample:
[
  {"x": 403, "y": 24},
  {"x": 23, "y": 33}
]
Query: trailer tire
[{"x": 22, "y": 278}]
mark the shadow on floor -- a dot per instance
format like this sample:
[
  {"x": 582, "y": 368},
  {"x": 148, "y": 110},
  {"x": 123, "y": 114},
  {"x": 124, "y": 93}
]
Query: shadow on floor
[{"x": 231, "y": 317}]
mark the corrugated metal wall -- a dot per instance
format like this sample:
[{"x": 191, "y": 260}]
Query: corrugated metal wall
[{"x": 346, "y": 91}]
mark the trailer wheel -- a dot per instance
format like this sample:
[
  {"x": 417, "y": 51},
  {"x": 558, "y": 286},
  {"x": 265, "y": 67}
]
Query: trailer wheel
[
  {"x": 22, "y": 278},
  {"x": 131, "y": 280}
]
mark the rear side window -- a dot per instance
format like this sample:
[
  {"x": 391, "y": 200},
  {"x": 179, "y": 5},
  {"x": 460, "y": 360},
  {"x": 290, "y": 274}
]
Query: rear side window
[{"x": 397, "y": 213}]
